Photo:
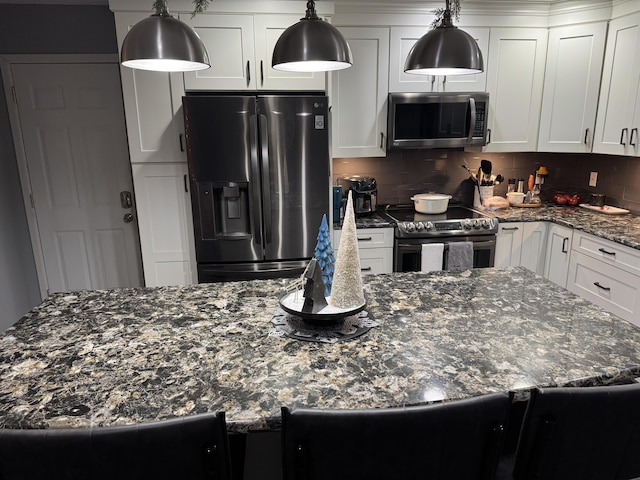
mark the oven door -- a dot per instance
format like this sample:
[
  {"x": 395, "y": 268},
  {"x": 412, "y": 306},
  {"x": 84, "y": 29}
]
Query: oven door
[{"x": 408, "y": 252}]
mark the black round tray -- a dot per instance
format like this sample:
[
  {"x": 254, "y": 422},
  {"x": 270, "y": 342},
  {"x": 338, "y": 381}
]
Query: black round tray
[{"x": 325, "y": 316}]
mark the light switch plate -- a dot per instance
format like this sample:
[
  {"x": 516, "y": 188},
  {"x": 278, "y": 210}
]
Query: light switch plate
[{"x": 593, "y": 179}]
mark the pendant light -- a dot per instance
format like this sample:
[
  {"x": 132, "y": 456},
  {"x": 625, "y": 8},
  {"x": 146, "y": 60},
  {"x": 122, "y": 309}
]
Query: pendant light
[
  {"x": 163, "y": 43},
  {"x": 311, "y": 45},
  {"x": 445, "y": 50}
]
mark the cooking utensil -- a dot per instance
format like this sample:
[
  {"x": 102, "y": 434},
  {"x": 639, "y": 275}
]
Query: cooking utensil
[
  {"x": 485, "y": 167},
  {"x": 431, "y": 203}
]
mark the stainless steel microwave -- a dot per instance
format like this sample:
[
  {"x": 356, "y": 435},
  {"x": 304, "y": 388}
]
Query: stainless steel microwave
[{"x": 437, "y": 120}]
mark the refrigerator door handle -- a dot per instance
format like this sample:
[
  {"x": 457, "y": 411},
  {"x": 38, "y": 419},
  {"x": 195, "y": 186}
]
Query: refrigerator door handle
[
  {"x": 255, "y": 183},
  {"x": 266, "y": 185}
]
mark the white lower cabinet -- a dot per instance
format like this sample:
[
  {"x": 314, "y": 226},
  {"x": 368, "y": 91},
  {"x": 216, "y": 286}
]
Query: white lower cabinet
[
  {"x": 375, "y": 246},
  {"x": 605, "y": 285},
  {"x": 166, "y": 226},
  {"x": 521, "y": 244},
  {"x": 606, "y": 273},
  {"x": 558, "y": 253}
]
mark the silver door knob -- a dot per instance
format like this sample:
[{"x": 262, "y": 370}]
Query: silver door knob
[{"x": 128, "y": 218}]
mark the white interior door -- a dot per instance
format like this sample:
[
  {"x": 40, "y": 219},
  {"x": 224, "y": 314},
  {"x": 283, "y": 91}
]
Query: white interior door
[{"x": 74, "y": 139}]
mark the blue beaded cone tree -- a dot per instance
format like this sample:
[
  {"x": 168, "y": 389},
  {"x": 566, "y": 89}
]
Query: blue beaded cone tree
[{"x": 324, "y": 255}]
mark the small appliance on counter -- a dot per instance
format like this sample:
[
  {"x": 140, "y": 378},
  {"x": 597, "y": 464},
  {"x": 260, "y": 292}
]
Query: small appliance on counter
[{"x": 365, "y": 192}]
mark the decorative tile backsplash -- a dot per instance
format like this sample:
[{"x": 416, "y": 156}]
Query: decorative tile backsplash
[{"x": 403, "y": 173}]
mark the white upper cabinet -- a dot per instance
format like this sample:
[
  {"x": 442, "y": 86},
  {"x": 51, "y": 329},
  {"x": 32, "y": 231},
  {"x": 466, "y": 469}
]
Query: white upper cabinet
[
  {"x": 153, "y": 107},
  {"x": 359, "y": 96},
  {"x": 240, "y": 48},
  {"x": 401, "y": 42},
  {"x": 515, "y": 77},
  {"x": 571, "y": 86},
  {"x": 618, "y": 111}
]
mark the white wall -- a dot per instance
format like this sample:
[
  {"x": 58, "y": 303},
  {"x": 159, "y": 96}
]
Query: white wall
[{"x": 19, "y": 290}]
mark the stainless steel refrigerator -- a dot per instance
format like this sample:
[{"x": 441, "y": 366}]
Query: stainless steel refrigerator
[{"x": 259, "y": 178}]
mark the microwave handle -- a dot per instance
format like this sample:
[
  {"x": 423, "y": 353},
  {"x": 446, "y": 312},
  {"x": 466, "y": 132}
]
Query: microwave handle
[{"x": 472, "y": 123}]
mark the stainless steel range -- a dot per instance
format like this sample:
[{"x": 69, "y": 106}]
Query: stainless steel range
[{"x": 457, "y": 224}]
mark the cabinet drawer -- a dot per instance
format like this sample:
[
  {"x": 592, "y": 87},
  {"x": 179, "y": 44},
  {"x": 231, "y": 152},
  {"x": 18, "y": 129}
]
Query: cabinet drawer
[
  {"x": 368, "y": 238},
  {"x": 374, "y": 261},
  {"x": 605, "y": 285},
  {"x": 625, "y": 258}
]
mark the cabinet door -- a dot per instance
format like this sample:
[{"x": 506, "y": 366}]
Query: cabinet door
[
  {"x": 620, "y": 78},
  {"x": 152, "y": 105},
  {"x": 230, "y": 44},
  {"x": 571, "y": 86},
  {"x": 515, "y": 76},
  {"x": 534, "y": 243},
  {"x": 556, "y": 264},
  {"x": 268, "y": 29},
  {"x": 359, "y": 96},
  {"x": 375, "y": 249},
  {"x": 165, "y": 222},
  {"x": 508, "y": 244},
  {"x": 402, "y": 40}
]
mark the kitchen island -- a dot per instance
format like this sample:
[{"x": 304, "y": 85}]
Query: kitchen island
[{"x": 113, "y": 357}]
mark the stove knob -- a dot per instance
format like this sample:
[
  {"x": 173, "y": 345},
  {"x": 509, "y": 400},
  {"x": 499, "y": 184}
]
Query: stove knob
[
  {"x": 467, "y": 225},
  {"x": 476, "y": 224},
  {"x": 485, "y": 223},
  {"x": 419, "y": 226},
  {"x": 429, "y": 226},
  {"x": 409, "y": 226}
]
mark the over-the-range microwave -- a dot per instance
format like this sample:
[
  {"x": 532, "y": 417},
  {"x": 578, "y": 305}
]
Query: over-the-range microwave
[{"x": 437, "y": 120}]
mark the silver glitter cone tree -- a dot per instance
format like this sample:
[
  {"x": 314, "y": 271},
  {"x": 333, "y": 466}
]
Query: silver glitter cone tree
[
  {"x": 324, "y": 255},
  {"x": 346, "y": 291}
]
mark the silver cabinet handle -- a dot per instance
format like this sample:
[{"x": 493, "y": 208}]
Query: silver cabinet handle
[{"x": 606, "y": 289}]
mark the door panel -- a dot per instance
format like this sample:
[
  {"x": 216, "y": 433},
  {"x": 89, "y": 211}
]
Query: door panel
[{"x": 74, "y": 139}]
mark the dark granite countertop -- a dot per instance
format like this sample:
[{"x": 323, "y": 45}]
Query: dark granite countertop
[
  {"x": 115, "y": 357},
  {"x": 623, "y": 229},
  {"x": 370, "y": 220}
]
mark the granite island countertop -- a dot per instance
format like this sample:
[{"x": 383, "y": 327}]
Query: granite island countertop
[{"x": 112, "y": 357}]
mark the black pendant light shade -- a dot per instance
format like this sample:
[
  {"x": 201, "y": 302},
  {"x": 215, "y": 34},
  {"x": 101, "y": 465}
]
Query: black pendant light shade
[
  {"x": 165, "y": 44},
  {"x": 311, "y": 45},
  {"x": 445, "y": 50}
]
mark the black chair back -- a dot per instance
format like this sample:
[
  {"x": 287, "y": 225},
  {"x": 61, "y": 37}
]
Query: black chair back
[
  {"x": 580, "y": 433},
  {"x": 193, "y": 447},
  {"x": 449, "y": 440}
]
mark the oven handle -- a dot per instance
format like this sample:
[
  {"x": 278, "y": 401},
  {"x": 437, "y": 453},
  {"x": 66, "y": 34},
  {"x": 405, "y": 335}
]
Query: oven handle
[{"x": 418, "y": 247}]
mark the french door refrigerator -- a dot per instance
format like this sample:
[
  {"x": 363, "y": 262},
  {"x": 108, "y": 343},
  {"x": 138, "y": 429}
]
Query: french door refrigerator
[{"x": 259, "y": 178}]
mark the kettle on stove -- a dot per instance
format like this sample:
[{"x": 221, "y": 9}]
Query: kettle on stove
[{"x": 364, "y": 193}]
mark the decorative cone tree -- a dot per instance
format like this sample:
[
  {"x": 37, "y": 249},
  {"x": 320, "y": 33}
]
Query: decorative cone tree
[
  {"x": 324, "y": 255},
  {"x": 346, "y": 291}
]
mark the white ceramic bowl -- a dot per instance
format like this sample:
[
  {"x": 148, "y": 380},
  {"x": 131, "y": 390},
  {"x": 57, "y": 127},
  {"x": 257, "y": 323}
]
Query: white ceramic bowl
[{"x": 515, "y": 197}]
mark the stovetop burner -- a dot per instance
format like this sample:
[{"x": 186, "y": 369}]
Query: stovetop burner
[{"x": 457, "y": 220}]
